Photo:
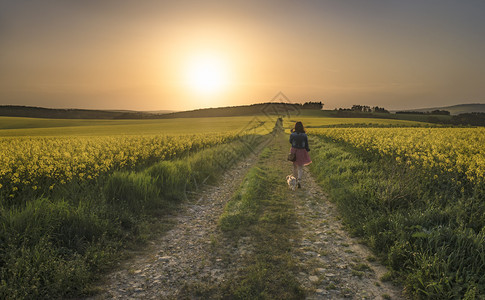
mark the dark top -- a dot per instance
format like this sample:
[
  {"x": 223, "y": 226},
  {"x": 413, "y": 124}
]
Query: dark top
[{"x": 299, "y": 141}]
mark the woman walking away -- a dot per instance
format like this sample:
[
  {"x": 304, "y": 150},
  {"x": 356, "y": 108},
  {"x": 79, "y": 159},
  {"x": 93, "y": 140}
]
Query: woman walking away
[{"x": 299, "y": 146}]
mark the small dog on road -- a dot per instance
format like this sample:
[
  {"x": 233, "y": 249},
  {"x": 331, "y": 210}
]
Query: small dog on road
[{"x": 292, "y": 182}]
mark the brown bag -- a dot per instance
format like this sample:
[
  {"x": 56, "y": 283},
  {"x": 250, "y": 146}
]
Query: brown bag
[{"x": 292, "y": 157}]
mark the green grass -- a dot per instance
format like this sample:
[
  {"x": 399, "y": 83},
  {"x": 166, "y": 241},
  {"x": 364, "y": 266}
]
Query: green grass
[
  {"x": 428, "y": 232},
  {"x": 421, "y": 118},
  {"x": 321, "y": 122},
  {"x": 56, "y": 247},
  {"x": 14, "y": 126},
  {"x": 23, "y": 123},
  {"x": 243, "y": 210},
  {"x": 263, "y": 210}
]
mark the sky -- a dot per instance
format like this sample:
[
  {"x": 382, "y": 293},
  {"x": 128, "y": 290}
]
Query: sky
[{"x": 187, "y": 54}]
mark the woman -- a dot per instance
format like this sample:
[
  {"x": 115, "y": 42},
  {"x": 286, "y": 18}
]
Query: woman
[{"x": 299, "y": 146}]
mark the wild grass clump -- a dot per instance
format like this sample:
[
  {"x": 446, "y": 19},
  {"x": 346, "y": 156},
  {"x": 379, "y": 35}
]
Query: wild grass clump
[
  {"x": 430, "y": 232},
  {"x": 44, "y": 249},
  {"x": 132, "y": 191},
  {"x": 41, "y": 271},
  {"x": 168, "y": 182},
  {"x": 173, "y": 177},
  {"x": 56, "y": 245}
]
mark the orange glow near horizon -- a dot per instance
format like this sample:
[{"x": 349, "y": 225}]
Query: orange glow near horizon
[{"x": 182, "y": 55}]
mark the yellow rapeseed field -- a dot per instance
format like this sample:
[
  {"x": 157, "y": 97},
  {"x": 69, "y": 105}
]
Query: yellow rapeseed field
[
  {"x": 42, "y": 162},
  {"x": 450, "y": 150}
]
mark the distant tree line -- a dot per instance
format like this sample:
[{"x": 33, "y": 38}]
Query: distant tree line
[
  {"x": 364, "y": 109},
  {"x": 473, "y": 119},
  {"x": 312, "y": 105},
  {"x": 434, "y": 112},
  {"x": 435, "y": 116},
  {"x": 465, "y": 119}
]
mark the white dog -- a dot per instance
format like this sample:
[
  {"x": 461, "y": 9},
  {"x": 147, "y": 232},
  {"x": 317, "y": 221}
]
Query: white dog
[{"x": 292, "y": 182}]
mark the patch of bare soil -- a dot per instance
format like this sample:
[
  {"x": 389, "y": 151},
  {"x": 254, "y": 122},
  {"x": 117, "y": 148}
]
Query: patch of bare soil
[{"x": 334, "y": 265}]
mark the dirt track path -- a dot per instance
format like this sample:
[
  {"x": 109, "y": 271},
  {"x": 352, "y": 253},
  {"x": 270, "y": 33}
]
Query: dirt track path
[
  {"x": 184, "y": 259},
  {"x": 335, "y": 266}
]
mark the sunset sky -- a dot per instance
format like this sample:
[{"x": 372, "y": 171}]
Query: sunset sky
[{"x": 179, "y": 55}]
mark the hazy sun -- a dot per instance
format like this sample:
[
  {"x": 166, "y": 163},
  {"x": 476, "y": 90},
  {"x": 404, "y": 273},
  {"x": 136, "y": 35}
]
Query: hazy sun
[{"x": 207, "y": 74}]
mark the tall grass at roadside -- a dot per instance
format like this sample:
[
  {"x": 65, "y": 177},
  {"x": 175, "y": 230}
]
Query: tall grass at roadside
[
  {"x": 430, "y": 232},
  {"x": 55, "y": 247}
]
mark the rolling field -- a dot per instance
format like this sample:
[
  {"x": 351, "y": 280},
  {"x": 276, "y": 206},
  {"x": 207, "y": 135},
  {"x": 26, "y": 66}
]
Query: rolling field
[
  {"x": 13, "y": 126},
  {"x": 74, "y": 194},
  {"x": 43, "y": 162},
  {"x": 64, "y": 150}
]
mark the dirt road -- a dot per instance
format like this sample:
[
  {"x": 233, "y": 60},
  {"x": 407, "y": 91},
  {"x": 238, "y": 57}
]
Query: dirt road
[{"x": 194, "y": 259}]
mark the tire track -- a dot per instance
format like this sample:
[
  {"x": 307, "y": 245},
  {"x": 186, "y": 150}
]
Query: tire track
[
  {"x": 334, "y": 265},
  {"x": 183, "y": 262}
]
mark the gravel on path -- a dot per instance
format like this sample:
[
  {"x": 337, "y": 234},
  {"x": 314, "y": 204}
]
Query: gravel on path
[
  {"x": 184, "y": 260},
  {"x": 334, "y": 265}
]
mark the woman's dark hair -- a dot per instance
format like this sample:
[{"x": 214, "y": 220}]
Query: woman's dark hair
[{"x": 299, "y": 127}]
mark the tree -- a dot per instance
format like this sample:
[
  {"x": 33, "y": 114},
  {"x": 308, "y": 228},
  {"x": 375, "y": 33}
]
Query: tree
[
  {"x": 440, "y": 112},
  {"x": 378, "y": 109},
  {"x": 313, "y": 105},
  {"x": 361, "y": 108}
]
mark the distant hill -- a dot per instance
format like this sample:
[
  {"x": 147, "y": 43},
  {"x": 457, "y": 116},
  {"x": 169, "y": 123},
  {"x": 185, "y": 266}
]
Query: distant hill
[
  {"x": 455, "y": 109},
  {"x": 55, "y": 113},
  {"x": 230, "y": 111},
  {"x": 162, "y": 112},
  {"x": 269, "y": 108}
]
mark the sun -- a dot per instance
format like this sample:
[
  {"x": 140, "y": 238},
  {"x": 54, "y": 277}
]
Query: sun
[{"x": 207, "y": 74}]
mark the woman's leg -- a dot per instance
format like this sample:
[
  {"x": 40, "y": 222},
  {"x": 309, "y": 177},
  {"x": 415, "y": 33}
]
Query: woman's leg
[
  {"x": 295, "y": 170},
  {"x": 300, "y": 173}
]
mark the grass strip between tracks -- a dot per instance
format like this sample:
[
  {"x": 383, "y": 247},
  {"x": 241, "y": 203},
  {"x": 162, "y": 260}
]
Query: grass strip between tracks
[{"x": 263, "y": 210}]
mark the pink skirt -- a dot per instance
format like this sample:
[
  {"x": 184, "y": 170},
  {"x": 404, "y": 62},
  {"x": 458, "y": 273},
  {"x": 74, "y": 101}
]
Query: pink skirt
[{"x": 302, "y": 157}]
